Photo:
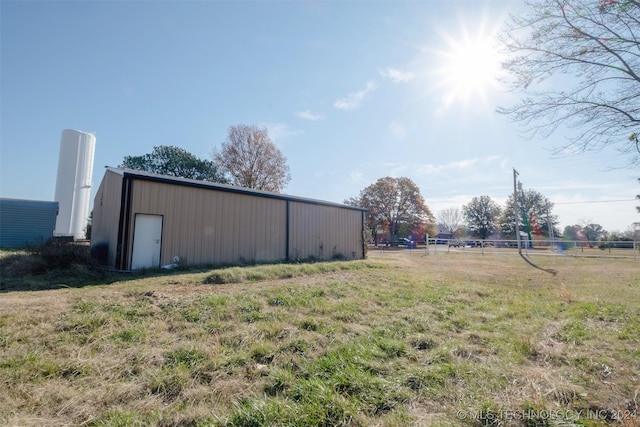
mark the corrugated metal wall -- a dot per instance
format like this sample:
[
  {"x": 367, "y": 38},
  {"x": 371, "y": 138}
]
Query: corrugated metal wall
[
  {"x": 106, "y": 214},
  {"x": 324, "y": 232},
  {"x": 204, "y": 226},
  {"x": 26, "y": 222}
]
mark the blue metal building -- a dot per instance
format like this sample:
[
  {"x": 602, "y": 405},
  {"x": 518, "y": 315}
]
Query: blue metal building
[{"x": 26, "y": 222}]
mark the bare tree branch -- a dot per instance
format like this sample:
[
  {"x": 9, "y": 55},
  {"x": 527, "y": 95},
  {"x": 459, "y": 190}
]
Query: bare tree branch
[
  {"x": 450, "y": 220},
  {"x": 251, "y": 160},
  {"x": 590, "y": 51}
]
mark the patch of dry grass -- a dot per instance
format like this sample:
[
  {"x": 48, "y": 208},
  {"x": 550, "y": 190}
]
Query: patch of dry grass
[{"x": 400, "y": 339}]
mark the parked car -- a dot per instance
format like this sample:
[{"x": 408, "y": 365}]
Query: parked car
[
  {"x": 457, "y": 243},
  {"x": 408, "y": 243}
]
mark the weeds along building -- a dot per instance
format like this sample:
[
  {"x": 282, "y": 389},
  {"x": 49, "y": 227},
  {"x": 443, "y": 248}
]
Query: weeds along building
[{"x": 145, "y": 220}]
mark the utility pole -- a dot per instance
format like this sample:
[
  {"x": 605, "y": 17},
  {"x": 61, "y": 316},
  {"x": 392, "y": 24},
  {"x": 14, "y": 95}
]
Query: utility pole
[
  {"x": 518, "y": 186},
  {"x": 516, "y": 210},
  {"x": 553, "y": 239}
]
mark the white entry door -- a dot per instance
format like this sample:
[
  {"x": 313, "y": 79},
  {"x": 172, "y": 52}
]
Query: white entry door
[{"x": 147, "y": 236}]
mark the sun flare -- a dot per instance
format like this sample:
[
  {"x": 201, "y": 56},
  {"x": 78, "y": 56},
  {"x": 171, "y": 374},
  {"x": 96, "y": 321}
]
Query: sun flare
[{"x": 469, "y": 67}]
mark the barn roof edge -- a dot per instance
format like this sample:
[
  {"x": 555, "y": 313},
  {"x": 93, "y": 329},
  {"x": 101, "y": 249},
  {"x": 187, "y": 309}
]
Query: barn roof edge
[{"x": 149, "y": 176}]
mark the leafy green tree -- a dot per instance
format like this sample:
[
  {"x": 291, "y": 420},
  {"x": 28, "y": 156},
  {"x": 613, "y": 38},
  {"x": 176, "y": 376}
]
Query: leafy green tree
[
  {"x": 576, "y": 64},
  {"x": 174, "y": 161},
  {"x": 593, "y": 232},
  {"x": 534, "y": 217},
  {"x": 620, "y": 236},
  {"x": 481, "y": 216},
  {"x": 249, "y": 159},
  {"x": 395, "y": 206}
]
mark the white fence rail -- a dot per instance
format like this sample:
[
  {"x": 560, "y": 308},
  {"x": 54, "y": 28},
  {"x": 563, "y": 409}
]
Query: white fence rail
[{"x": 613, "y": 248}]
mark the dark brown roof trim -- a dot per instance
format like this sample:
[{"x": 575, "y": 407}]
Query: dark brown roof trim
[{"x": 147, "y": 176}]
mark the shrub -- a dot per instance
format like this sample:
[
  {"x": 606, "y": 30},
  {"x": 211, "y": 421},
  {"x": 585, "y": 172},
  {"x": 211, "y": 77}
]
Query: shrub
[
  {"x": 100, "y": 252},
  {"x": 50, "y": 265},
  {"x": 60, "y": 256}
]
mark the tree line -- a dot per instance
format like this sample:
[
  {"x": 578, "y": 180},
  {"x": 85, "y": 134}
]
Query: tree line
[
  {"x": 395, "y": 207},
  {"x": 247, "y": 158},
  {"x": 397, "y": 210}
]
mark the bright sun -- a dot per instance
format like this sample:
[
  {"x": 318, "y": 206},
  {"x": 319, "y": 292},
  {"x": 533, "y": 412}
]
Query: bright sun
[{"x": 470, "y": 68}]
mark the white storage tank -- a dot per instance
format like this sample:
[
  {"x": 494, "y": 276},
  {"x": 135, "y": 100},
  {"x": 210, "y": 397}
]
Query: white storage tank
[{"x": 73, "y": 185}]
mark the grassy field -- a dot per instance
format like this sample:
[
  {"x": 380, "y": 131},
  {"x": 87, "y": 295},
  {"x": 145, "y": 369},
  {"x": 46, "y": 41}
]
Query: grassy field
[{"x": 400, "y": 339}]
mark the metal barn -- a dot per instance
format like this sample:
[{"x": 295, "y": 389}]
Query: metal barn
[
  {"x": 26, "y": 222},
  {"x": 145, "y": 220}
]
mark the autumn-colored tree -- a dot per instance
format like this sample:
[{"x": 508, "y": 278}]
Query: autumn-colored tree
[
  {"x": 250, "y": 159},
  {"x": 535, "y": 215},
  {"x": 395, "y": 206},
  {"x": 573, "y": 232}
]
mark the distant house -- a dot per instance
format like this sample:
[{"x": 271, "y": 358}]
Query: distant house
[
  {"x": 26, "y": 222},
  {"x": 145, "y": 220}
]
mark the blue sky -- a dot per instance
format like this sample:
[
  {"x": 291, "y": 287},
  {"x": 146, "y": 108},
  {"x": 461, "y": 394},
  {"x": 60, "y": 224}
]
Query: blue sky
[{"x": 349, "y": 91}]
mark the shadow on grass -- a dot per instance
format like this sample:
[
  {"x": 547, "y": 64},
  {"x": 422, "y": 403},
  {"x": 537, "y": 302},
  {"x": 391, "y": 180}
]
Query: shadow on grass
[
  {"x": 70, "y": 265},
  {"x": 59, "y": 266}
]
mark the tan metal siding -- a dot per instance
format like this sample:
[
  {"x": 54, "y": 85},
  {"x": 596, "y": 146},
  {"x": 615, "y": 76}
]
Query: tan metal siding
[
  {"x": 324, "y": 232},
  {"x": 204, "y": 226},
  {"x": 106, "y": 213}
]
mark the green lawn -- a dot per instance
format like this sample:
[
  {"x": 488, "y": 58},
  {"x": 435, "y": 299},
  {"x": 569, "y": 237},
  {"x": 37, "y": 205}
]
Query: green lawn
[{"x": 400, "y": 339}]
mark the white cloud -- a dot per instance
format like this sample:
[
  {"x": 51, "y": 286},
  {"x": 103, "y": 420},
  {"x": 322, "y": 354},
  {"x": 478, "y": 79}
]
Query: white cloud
[
  {"x": 488, "y": 162},
  {"x": 431, "y": 169},
  {"x": 395, "y": 169},
  {"x": 357, "y": 176},
  {"x": 353, "y": 100},
  {"x": 280, "y": 132},
  {"x": 308, "y": 115},
  {"x": 397, "y": 76}
]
